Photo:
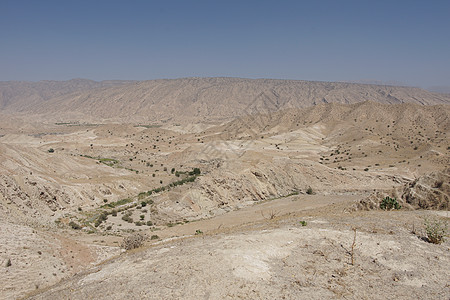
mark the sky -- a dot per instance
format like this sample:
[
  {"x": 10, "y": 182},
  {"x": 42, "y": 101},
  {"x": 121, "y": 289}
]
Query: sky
[{"x": 338, "y": 40}]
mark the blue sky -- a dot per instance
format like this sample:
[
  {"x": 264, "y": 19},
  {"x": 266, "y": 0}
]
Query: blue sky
[{"x": 404, "y": 41}]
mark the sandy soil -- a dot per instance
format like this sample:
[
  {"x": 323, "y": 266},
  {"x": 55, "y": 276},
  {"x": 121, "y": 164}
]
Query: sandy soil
[
  {"x": 280, "y": 259},
  {"x": 234, "y": 230},
  {"x": 40, "y": 258}
]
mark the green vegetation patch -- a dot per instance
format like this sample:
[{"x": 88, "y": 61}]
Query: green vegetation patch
[
  {"x": 111, "y": 162},
  {"x": 148, "y": 126},
  {"x": 108, "y": 161},
  {"x": 389, "y": 203},
  {"x": 117, "y": 203}
]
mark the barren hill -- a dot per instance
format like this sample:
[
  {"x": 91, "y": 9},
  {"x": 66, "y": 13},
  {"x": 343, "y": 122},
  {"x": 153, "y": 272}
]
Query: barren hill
[
  {"x": 193, "y": 100},
  {"x": 259, "y": 205},
  {"x": 395, "y": 119},
  {"x": 20, "y": 95},
  {"x": 253, "y": 158}
]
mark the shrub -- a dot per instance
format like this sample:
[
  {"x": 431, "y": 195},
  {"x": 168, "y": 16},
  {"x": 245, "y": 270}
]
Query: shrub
[
  {"x": 198, "y": 231},
  {"x": 195, "y": 171},
  {"x": 149, "y": 223},
  {"x": 154, "y": 237},
  {"x": 389, "y": 203},
  {"x": 8, "y": 263},
  {"x": 74, "y": 225},
  {"x": 127, "y": 218},
  {"x": 436, "y": 230},
  {"x": 303, "y": 223},
  {"x": 103, "y": 216},
  {"x": 51, "y": 150},
  {"x": 133, "y": 241},
  {"x": 309, "y": 191},
  {"x": 438, "y": 184}
]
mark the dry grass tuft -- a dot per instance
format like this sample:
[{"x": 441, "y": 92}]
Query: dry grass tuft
[{"x": 133, "y": 241}]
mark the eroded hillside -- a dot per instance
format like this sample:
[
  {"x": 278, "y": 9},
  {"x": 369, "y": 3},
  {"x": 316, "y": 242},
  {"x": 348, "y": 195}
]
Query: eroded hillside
[
  {"x": 194, "y": 100},
  {"x": 79, "y": 173},
  {"x": 76, "y": 186}
]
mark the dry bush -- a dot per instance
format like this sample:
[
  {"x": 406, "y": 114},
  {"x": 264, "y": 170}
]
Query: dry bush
[
  {"x": 436, "y": 230},
  {"x": 133, "y": 241},
  {"x": 353, "y": 248},
  {"x": 272, "y": 215}
]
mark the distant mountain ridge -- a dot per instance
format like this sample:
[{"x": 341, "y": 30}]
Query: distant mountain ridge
[
  {"x": 194, "y": 100},
  {"x": 16, "y": 95}
]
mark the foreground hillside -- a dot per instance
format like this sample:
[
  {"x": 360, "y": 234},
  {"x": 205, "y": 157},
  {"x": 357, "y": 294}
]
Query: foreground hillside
[
  {"x": 279, "y": 258},
  {"x": 193, "y": 100}
]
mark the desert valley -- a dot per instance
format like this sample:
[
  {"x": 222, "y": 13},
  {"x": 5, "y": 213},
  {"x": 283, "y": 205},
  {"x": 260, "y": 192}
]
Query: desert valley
[{"x": 223, "y": 188}]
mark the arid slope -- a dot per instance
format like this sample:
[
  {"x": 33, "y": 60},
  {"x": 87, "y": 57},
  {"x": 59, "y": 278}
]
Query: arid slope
[
  {"x": 224, "y": 200},
  {"x": 21, "y": 95},
  {"x": 193, "y": 100}
]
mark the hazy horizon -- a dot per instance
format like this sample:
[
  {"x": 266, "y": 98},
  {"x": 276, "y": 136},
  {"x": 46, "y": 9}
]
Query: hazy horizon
[
  {"x": 400, "y": 42},
  {"x": 362, "y": 81}
]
